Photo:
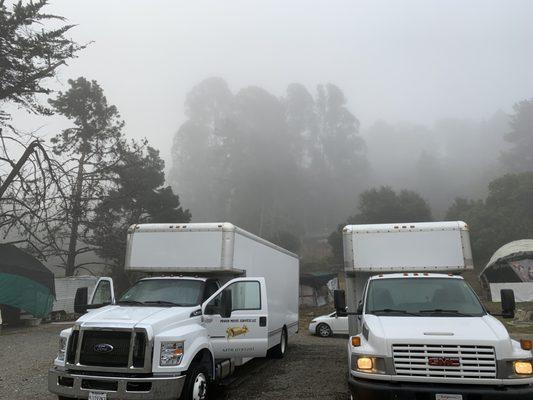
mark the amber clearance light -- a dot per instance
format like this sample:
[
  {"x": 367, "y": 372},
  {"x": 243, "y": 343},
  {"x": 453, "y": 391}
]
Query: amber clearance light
[
  {"x": 526, "y": 344},
  {"x": 356, "y": 341}
]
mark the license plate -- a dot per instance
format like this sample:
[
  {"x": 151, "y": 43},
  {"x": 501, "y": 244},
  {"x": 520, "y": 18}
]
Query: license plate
[
  {"x": 448, "y": 397},
  {"x": 97, "y": 396}
]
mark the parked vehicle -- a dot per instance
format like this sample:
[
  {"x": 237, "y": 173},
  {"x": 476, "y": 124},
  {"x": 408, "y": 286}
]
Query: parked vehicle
[
  {"x": 216, "y": 297},
  {"x": 329, "y": 325},
  {"x": 421, "y": 334},
  {"x": 66, "y": 289}
]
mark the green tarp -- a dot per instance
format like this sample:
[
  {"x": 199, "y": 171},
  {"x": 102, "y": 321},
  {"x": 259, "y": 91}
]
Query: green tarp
[
  {"x": 26, "y": 294},
  {"x": 25, "y": 283}
]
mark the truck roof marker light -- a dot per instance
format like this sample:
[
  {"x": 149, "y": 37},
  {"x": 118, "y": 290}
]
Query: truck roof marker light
[
  {"x": 526, "y": 344},
  {"x": 426, "y": 274},
  {"x": 405, "y": 274},
  {"x": 396, "y": 227},
  {"x": 356, "y": 341},
  {"x": 380, "y": 275},
  {"x": 415, "y": 274}
]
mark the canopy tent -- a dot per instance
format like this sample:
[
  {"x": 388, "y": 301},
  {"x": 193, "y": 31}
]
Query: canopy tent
[
  {"x": 25, "y": 283},
  {"x": 511, "y": 267}
]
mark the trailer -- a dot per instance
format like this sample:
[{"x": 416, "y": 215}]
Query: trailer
[{"x": 66, "y": 289}]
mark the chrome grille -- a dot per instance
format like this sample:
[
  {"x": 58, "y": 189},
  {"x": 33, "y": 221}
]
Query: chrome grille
[
  {"x": 474, "y": 362},
  {"x": 130, "y": 350}
]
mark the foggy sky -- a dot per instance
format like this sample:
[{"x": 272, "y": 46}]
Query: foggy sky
[{"x": 413, "y": 61}]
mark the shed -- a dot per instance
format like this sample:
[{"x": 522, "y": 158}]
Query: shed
[{"x": 510, "y": 267}]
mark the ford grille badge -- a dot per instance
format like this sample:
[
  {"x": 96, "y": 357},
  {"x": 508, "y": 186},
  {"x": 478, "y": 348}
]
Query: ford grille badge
[{"x": 103, "y": 348}]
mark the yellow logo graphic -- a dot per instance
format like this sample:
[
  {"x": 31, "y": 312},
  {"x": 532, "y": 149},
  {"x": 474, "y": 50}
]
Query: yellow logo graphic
[{"x": 236, "y": 331}]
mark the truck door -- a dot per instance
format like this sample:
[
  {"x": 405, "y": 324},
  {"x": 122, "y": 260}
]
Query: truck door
[
  {"x": 103, "y": 293},
  {"x": 242, "y": 329}
]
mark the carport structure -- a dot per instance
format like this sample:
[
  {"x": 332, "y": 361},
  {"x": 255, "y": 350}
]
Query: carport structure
[{"x": 510, "y": 267}]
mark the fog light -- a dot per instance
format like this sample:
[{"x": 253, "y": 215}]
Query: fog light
[
  {"x": 523, "y": 367},
  {"x": 364, "y": 363}
]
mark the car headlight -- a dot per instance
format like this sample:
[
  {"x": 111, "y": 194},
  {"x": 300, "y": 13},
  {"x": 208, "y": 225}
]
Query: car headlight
[
  {"x": 313, "y": 321},
  {"x": 171, "y": 353},
  {"x": 62, "y": 348},
  {"x": 523, "y": 367}
]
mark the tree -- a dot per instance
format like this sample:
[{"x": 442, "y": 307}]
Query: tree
[
  {"x": 30, "y": 54},
  {"x": 139, "y": 196},
  {"x": 520, "y": 157},
  {"x": 505, "y": 215},
  {"x": 379, "y": 206},
  {"x": 91, "y": 147}
]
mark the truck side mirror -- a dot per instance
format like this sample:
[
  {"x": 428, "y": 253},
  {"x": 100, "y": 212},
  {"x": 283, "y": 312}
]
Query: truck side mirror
[
  {"x": 80, "y": 300},
  {"x": 508, "y": 303},
  {"x": 339, "y": 300},
  {"x": 226, "y": 304}
]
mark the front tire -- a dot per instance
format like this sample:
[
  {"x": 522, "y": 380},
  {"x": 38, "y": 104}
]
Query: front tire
[
  {"x": 196, "y": 384},
  {"x": 324, "y": 330}
]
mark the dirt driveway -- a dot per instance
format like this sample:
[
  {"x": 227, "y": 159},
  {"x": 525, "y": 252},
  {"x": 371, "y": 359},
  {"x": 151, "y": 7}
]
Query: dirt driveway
[{"x": 313, "y": 368}]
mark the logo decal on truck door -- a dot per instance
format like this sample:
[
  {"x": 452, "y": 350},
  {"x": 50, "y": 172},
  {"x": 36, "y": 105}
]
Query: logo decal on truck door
[{"x": 236, "y": 331}]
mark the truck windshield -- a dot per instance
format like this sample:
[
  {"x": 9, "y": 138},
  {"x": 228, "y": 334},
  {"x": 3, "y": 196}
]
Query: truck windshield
[
  {"x": 440, "y": 297},
  {"x": 164, "y": 292}
]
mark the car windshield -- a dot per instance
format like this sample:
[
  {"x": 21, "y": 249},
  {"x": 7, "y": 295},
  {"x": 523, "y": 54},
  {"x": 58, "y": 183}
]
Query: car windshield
[
  {"x": 441, "y": 297},
  {"x": 164, "y": 292}
]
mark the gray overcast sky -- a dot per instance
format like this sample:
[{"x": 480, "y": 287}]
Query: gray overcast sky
[{"x": 395, "y": 60}]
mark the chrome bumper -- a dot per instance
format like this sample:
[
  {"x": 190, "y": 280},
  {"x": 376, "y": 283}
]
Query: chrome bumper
[{"x": 63, "y": 383}]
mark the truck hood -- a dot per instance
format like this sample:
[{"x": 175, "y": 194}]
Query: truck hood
[
  {"x": 480, "y": 330},
  {"x": 154, "y": 319}
]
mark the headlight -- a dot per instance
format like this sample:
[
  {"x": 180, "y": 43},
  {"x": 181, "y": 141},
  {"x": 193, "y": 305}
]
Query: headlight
[
  {"x": 523, "y": 367},
  {"x": 62, "y": 348},
  {"x": 313, "y": 321},
  {"x": 370, "y": 365},
  {"x": 171, "y": 353}
]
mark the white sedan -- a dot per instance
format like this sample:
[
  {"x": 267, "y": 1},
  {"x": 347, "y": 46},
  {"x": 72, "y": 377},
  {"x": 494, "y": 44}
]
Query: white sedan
[{"x": 327, "y": 325}]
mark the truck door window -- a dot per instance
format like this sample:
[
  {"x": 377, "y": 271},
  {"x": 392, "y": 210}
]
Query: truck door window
[
  {"x": 211, "y": 287},
  {"x": 244, "y": 296},
  {"x": 102, "y": 295}
]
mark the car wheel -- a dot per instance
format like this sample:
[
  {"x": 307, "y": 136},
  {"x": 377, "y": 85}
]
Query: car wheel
[
  {"x": 323, "y": 330},
  {"x": 196, "y": 384}
]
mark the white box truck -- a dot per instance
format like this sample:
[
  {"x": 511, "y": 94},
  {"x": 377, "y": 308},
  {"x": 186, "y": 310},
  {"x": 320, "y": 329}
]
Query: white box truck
[
  {"x": 420, "y": 334},
  {"x": 215, "y": 296}
]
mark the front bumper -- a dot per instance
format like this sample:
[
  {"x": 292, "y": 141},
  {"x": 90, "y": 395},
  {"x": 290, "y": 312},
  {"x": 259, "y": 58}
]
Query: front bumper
[
  {"x": 312, "y": 328},
  {"x": 365, "y": 389},
  {"x": 72, "y": 385}
]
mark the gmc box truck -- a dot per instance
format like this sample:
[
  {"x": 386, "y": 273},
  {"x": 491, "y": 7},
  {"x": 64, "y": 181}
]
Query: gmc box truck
[
  {"x": 213, "y": 297},
  {"x": 419, "y": 331}
]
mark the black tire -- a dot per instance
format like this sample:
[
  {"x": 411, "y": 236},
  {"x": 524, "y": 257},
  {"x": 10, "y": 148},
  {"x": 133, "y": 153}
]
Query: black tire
[
  {"x": 279, "y": 350},
  {"x": 196, "y": 384},
  {"x": 324, "y": 330},
  {"x": 64, "y": 398}
]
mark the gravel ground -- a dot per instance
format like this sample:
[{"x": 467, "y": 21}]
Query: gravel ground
[{"x": 313, "y": 368}]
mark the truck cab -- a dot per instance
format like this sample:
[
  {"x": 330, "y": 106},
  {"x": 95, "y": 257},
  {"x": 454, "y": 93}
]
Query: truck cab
[
  {"x": 421, "y": 333},
  {"x": 425, "y": 332}
]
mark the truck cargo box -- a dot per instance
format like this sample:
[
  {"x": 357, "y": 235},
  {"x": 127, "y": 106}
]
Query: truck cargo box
[{"x": 427, "y": 246}]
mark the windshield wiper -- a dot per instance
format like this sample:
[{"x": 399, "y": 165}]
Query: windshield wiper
[
  {"x": 443, "y": 311},
  {"x": 132, "y": 302},
  {"x": 392, "y": 310},
  {"x": 164, "y": 303}
]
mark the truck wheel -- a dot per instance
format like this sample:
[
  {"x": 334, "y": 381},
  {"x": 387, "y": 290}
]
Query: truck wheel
[
  {"x": 280, "y": 350},
  {"x": 323, "y": 330},
  {"x": 196, "y": 384}
]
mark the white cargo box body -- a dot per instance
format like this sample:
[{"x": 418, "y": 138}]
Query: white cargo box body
[
  {"x": 222, "y": 250},
  {"x": 66, "y": 291},
  {"x": 421, "y": 246}
]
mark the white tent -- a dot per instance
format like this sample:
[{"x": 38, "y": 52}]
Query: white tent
[{"x": 511, "y": 267}]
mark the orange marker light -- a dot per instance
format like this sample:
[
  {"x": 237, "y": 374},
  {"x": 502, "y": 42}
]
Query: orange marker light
[
  {"x": 526, "y": 344},
  {"x": 356, "y": 341}
]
